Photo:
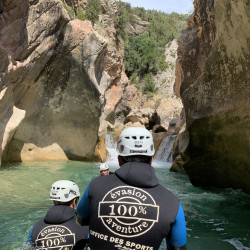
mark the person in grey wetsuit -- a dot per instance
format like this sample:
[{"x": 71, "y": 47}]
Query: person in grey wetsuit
[
  {"x": 130, "y": 209},
  {"x": 59, "y": 230}
]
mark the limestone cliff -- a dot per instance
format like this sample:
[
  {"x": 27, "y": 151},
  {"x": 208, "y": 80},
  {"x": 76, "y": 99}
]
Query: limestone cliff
[
  {"x": 63, "y": 85},
  {"x": 54, "y": 75},
  {"x": 213, "y": 81}
]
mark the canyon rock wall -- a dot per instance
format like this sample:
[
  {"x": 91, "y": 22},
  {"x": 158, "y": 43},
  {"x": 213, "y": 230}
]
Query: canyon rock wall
[
  {"x": 213, "y": 81},
  {"x": 63, "y": 84},
  {"x": 54, "y": 73}
]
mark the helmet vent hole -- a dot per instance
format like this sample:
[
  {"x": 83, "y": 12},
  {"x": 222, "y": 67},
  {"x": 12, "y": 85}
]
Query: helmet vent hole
[
  {"x": 127, "y": 137},
  {"x": 134, "y": 137},
  {"x": 141, "y": 137},
  {"x": 147, "y": 137}
]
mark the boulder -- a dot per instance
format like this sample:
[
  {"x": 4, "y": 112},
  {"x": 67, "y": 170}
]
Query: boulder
[{"x": 177, "y": 165}]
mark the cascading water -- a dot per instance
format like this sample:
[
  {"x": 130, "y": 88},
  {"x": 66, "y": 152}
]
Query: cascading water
[
  {"x": 111, "y": 147},
  {"x": 163, "y": 156},
  {"x": 164, "y": 152}
]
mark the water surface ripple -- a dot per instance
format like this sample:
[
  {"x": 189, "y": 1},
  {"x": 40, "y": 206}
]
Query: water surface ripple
[{"x": 216, "y": 219}]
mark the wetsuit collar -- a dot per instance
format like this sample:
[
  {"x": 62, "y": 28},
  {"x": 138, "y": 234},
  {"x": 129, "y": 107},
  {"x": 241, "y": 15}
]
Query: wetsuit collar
[
  {"x": 137, "y": 174},
  {"x": 59, "y": 214}
]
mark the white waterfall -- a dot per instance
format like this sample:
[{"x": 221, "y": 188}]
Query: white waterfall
[
  {"x": 111, "y": 147},
  {"x": 162, "y": 158},
  {"x": 164, "y": 152}
]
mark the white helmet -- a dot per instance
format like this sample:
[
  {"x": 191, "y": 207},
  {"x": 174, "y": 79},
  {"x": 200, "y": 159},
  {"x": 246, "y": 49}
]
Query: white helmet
[
  {"x": 103, "y": 167},
  {"x": 135, "y": 141},
  {"x": 64, "y": 191}
]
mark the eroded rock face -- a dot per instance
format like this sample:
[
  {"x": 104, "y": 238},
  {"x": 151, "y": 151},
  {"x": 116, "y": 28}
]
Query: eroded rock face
[
  {"x": 213, "y": 79},
  {"x": 53, "y": 76},
  {"x": 195, "y": 45}
]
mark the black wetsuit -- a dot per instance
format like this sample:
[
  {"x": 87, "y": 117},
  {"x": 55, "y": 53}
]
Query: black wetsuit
[
  {"x": 131, "y": 210},
  {"x": 59, "y": 230}
]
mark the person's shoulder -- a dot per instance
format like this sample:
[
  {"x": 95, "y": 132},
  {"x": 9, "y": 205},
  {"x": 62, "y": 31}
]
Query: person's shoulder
[
  {"x": 82, "y": 231},
  {"x": 167, "y": 192},
  {"x": 37, "y": 226},
  {"x": 42, "y": 221},
  {"x": 37, "y": 223},
  {"x": 102, "y": 179},
  {"x": 95, "y": 179}
]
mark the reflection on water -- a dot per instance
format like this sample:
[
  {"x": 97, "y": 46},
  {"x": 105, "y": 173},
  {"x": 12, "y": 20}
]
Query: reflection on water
[{"x": 216, "y": 219}]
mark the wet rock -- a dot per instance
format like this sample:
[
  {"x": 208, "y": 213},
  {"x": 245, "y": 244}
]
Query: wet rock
[
  {"x": 213, "y": 81},
  {"x": 177, "y": 165}
]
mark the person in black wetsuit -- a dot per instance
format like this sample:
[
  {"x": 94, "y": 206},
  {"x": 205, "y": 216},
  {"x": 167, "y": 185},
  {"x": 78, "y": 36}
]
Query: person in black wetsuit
[
  {"x": 59, "y": 230},
  {"x": 130, "y": 209}
]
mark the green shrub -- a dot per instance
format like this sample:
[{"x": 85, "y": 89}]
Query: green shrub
[
  {"x": 125, "y": 15},
  {"x": 149, "y": 85},
  {"x": 144, "y": 53},
  {"x": 133, "y": 78},
  {"x": 93, "y": 10},
  {"x": 80, "y": 14},
  {"x": 172, "y": 54},
  {"x": 70, "y": 11}
]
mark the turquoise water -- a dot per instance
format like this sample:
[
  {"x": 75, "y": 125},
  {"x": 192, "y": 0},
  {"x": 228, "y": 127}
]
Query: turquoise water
[{"x": 216, "y": 219}]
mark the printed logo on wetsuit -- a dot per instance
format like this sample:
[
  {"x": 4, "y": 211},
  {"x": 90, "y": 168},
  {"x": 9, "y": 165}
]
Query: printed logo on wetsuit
[
  {"x": 128, "y": 211},
  {"x": 55, "y": 237}
]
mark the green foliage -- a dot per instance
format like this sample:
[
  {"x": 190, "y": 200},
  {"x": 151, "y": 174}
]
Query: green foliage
[
  {"x": 80, "y": 14},
  {"x": 163, "y": 27},
  {"x": 70, "y": 11},
  {"x": 144, "y": 54},
  {"x": 172, "y": 54},
  {"x": 93, "y": 10},
  {"x": 133, "y": 78},
  {"x": 149, "y": 85},
  {"x": 146, "y": 84},
  {"x": 125, "y": 15}
]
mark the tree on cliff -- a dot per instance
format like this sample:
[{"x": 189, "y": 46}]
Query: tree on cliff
[
  {"x": 144, "y": 53},
  {"x": 93, "y": 10},
  {"x": 143, "y": 56},
  {"x": 125, "y": 15}
]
